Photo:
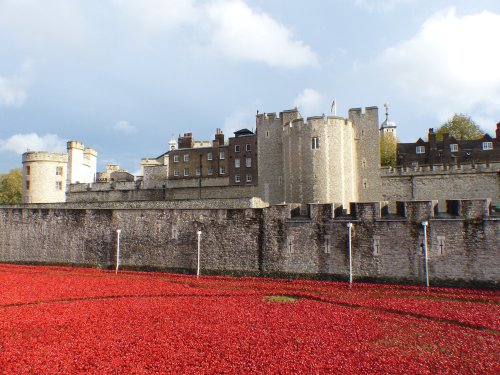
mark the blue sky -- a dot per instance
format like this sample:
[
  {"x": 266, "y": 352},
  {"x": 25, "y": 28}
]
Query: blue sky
[{"x": 123, "y": 76}]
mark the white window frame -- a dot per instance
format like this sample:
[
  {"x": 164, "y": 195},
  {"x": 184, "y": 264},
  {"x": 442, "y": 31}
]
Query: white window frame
[
  {"x": 186, "y": 157},
  {"x": 248, "y": 162},
  {"x": 237, "y": 178},
  {"x": 249, "y": 177},
  {"x": 237, "y": 163},
  {"x": 210, "y": 171},
  {"x": 236, "y": 148},
  {"x": 209, "y": 156},
  {"x": 454, "y": 147},
  {"x": 186, "y": 172},
  {"x": 176, "y": 158},
  {"x": 198, "y": 171},
  {"x": 176, "y": 172},
  {"x": 315, "y": 143},
  {"x": 487, "y": 146},
  {"x": 420, "y": 150},
  {"x": 222, "y": 170},
  {"x": 248, "y": 147},
  {"x": 222, "y": 156}
]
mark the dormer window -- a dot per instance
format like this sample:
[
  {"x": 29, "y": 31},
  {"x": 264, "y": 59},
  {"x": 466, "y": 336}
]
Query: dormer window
[
  {"x": 454, "y": 147},
  {"x": 487, "y": 145},
  {"x": 420, "y": 150}
]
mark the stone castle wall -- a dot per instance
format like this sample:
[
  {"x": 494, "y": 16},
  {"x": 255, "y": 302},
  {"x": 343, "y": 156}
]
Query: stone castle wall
[
  {"x": 441, "y": 182},
  {"x": 462, "y": 243}
]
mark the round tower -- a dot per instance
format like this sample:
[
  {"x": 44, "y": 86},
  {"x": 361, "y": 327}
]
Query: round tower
[{"x": 44, "y": 177}]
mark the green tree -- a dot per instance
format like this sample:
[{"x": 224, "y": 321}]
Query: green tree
[
  {"x": 11, "y": 187},
  {"x": 388, "y": 149},
  {"x": 460, "y": 126}
]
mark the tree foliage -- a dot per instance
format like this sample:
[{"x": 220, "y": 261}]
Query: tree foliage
[
  {"x": 11, "y": 187},
  {"x": 388, "y": 149},
  {"x": 461, "y": 127}
]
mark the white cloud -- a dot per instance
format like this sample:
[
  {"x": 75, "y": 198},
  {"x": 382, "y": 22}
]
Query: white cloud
[
  {"x": 124, "y": 127},
  {"x": 451, "y": 65},
  {"x": 380, "y": 5},
  {"x": 58, "y": 23},
  {"x": 310, "y": 102},
  {"x": 232, "y": 28},
  {"x": 159, "y": 15},
  {"x": 13, "y": 89},
  {"x": 239, "y": 119},
  {"x": 20, "y": 143},
  {"x": 244, "y": 34}
]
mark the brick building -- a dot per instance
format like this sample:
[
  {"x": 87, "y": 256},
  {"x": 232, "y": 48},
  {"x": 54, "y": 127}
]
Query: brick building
[{"x": 450, "y": 150}]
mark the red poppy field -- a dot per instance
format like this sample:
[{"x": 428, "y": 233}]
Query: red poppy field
[{"x": 65, "y": 320}]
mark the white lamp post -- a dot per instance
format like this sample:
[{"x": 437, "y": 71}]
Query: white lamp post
[
  {"x": 118, "y": 231},
  {"x": 349, "y": 226},
  {"x": 426, "y": 257},
  {"x": 199, "y": 240}
]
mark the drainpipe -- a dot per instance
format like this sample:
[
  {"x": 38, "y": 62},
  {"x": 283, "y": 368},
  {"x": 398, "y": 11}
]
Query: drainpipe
[
  {"x": 426, "y": 257},
  {"x": 349, "y": 226},
  {"x": 118, "y": 231}
]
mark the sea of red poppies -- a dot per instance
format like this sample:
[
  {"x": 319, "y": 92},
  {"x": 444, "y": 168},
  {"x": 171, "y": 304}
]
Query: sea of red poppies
[{"x": 66, "y": 320}]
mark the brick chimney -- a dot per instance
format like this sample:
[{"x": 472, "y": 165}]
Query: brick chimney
[
  {"x": 219, "y": 137},
  {"x": 185, "y": 141}
]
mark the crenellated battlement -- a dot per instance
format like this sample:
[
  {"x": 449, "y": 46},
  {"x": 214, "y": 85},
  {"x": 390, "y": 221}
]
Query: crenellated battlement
[
  {"x": 439, "y": 169},
  {"x": 45, "y": 156},
  {"x": 412, "y": 211}
]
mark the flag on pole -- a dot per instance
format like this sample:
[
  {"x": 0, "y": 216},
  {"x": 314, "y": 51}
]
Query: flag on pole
[{"x": 333, "y": 107}]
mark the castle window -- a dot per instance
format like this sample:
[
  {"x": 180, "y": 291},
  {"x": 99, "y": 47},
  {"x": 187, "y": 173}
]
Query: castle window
[
  {"x": 221, "y": 155},
  {"x": 210, "y": 171},
  {"x": 376, "y": 245},
  {"x": 440, "y": 245},
  {"x": 175, "y": 233},
  {"x": 176, "y": 172},
  {"x": 186, "y": 172},
  {"x": 28, "y": 170},
  {"x": 198, "y": 171},
  {"x": 249, "y": 178},
  {"x": 328, "y": 249},
  {"x": 222, "y": 170},
  {"x": 176, "y": 158},
  {"x": 420, "y": 150},
  {"x": 236, "y": 163},
  {"x": 248, "y": 162},
  {"x": 365, "y": 183},
  {"x": 248, "y": 147},
  {"x": 186, "y": 157},
  {"x": 454, "y": 147},
  {"x": 267, "y": 133},
  {"x": 58, "y": 185},
  {"x": 59, "y": 171},
  {"x": 209, "y": 156},
  {"x": 280, "y": 180},
  {"x": 315, "y": 143},
  {"x": 27, "y": 185},
  {"x": 487, "y": 145},
  {"x": 289, "y": 246},
  {"x": 236, "y": 148},
  {"x": 237, "y": 178},
  {"x": 363, "y": 163}
]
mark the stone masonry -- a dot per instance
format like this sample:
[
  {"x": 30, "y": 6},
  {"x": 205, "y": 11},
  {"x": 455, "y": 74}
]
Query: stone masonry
[{"x": 462, "y": 241}]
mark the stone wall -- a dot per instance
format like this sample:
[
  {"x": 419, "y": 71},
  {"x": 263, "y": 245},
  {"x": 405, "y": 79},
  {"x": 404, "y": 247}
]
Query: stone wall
[
  {"x": 462, "y": 243},
  {"x": 441, "y": 183}
]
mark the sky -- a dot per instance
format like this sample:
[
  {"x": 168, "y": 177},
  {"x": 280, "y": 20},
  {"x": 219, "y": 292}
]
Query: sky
[{"x": 124, "y": 76}]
